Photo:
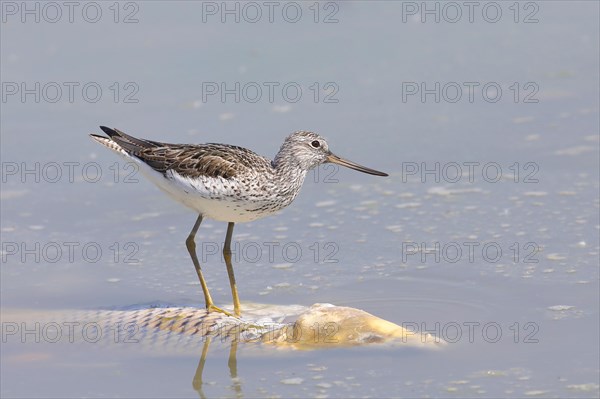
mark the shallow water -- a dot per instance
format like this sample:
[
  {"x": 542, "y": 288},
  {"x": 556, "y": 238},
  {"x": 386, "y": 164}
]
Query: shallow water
[{"x": 408, "y": 248}]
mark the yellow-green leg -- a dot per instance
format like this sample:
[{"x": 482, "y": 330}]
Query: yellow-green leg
[
  {"x": 227, "y": 256},
  {"x": 191, "y": 246}
]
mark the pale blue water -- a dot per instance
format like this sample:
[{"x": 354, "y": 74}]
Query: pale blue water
[{"x": 354, "y": 231}]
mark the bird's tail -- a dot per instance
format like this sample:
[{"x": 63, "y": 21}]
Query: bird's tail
[
  {"x": 121, "y": 142},
  {"x": 108, "y": 143}
]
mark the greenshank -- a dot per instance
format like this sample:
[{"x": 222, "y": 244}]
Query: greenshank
[{"x": 225, "y": 182}]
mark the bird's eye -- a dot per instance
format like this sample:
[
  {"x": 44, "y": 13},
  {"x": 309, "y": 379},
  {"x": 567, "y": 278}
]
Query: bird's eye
[{"x": 316, "y": 144}]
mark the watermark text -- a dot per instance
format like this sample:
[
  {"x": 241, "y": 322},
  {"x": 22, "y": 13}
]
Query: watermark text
[
  {"x": 469, "y": 92},
  {"x": 70, "y": 92},
  {"x": 469, "y": 251},
  {"x": 452, "y": 12},
  {"x": 68, "y": 252},
  {"x": 252, "y": 12},
  {"x": 470, "y": 171},
  {"x": 53, "y": 12},
  {"x": 270, "y": 92}
]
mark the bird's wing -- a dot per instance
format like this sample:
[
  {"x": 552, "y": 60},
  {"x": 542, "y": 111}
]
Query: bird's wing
[{"x": 188, "y": 160}]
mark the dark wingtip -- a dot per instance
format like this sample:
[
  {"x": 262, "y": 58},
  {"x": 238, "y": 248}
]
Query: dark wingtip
[{"x": 108, "y": 130}]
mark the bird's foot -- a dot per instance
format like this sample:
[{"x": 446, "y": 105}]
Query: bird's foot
[{"x": 213, "y": 308}]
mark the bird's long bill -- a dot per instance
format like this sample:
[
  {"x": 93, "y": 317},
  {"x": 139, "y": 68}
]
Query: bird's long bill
[{"x": 349, "y": 164}]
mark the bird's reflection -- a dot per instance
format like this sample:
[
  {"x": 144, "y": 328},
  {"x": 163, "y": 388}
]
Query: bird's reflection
[
  {"x": 236, "y": 386},
  {"x": 232, "y": 364}
]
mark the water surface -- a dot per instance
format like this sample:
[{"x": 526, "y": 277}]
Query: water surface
[{"x": 523, "y": 323}]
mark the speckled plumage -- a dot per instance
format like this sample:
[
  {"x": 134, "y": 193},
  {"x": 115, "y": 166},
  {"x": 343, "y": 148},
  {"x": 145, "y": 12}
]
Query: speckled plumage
[{"x": 225, "y": 182}]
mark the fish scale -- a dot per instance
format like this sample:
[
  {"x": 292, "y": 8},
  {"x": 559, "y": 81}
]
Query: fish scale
[{"x": 179, "y": 329}]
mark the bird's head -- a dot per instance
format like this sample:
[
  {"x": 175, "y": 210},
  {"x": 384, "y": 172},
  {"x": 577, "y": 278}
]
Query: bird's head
[{"x": 309, "y": 150}]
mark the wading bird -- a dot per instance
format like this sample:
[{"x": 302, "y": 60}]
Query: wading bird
[{"x": 225, "y": 182}]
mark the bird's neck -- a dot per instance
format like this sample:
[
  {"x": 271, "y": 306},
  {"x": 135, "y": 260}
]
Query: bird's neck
[
  {"x": 289, "y": 172},
  {"x": 285, "y": 167}
]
